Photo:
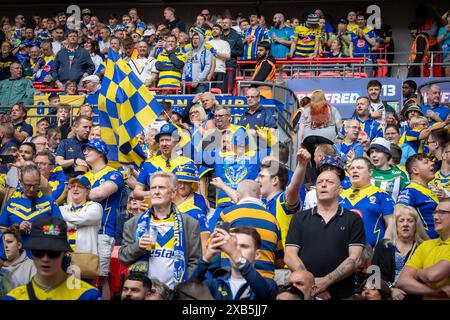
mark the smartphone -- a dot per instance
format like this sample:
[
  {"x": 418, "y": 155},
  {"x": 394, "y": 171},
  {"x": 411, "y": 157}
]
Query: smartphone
[
  {"x": 223, "y": 225},
  {"x": 7, "y": 158}
]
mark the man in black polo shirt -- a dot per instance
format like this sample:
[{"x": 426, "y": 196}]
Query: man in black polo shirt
[
  {"x": 326, "y": 240},
  {"x": 22, "y": 129},
  {"x": 69, "y": 154}
]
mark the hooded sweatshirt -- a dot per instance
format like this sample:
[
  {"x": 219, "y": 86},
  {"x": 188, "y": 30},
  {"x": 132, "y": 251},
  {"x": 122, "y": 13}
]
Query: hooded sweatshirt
[
  {"x": 198, "y": 62},
  {"x": 22, "y": 269}
]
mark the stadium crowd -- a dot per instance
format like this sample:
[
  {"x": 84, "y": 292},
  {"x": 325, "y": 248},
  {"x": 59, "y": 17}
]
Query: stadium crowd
[{"x": 218, "y": 210}]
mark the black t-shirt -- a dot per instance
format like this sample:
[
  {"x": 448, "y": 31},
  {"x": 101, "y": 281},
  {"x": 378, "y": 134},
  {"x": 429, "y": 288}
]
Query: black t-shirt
[
  {"x": 177, "y": 23},
  {"x": 323, "y": 247}
]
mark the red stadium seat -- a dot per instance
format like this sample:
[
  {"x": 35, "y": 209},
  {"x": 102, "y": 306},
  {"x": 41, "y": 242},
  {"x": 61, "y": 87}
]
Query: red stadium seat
[
  {"x": 216, "y": 90},
  {"x": 329, "y": 74},
  {"x": 302, "y": 75},
  {"x": 382, "y": 70}
]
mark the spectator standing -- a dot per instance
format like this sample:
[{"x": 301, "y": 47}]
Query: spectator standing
[
  {"x": 363, "y": 41},
  {"x": 426, "y": 273},
  {"x": 419, "y": 49},
  {"x": 237, "y": 50},
  {"x": 73, "y": 62},
  {"x": 172, "y": 21},
  {"x": 334, "y": 259},
  {"x": 252, "y": 37},
  {"x": 443, "y": 39},
  {"x": 143, "y": 65},
  {"x": 409, "y": 88},
  {"x": 434, "y": 110},
  {"x": 243, "y": 245},
  {"x": 48, "y": 244},
  {"x": 264, "y": 69},
  {"x": 107, "y": 184},
  {"x": 83, "y": 217},
  {"x": 379, "y": 109},
  {"x": 249, "y": 210},
  {"x": 18, "y": 264},
  {"x": 198, "y": 64},
  {"x": 222, "y": 55},
  {"x": 418, "y": 194},
  {"x": 170, "y": 64},
  {"x": 22, "y": 130},
  {"x": 385, "y": 176},
  {"x": 30, "y": 203},
  {"x": 372, "y": 204},
  {"x": 54, "y": 175},
  {"x": 281, "y": 37},
  {"x": 16, "y": 89},
  {"x": 319, "y": 123},
  {"x": 69, "y": 154},
  {"x": 306, "y": 41},
  {"x": 146, "y": 236},
  {"x": 401, "y": 240},
  {"x": 350, "y": 147}
]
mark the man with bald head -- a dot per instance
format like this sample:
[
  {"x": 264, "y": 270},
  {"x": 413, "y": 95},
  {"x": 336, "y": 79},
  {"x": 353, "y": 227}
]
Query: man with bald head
[
  {"x": 304, "y": 281},
  {"x": 282, "y": 37},
  {"x": 250, "y": 211}
]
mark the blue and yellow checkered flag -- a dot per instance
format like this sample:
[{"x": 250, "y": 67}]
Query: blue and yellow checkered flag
[{"x": 126, "y": 107}]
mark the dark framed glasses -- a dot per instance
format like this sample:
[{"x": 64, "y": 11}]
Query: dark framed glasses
[{"x": 41, "y": 253}]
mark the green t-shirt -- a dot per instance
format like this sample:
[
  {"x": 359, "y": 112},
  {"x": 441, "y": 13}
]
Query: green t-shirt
[{"x": 391, "y": 181}]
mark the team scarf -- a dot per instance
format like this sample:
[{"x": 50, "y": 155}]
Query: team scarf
[{"x": 179, "y": 255}]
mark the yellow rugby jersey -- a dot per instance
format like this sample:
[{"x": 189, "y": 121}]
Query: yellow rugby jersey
[
  {"x": 69, "y": 289},
  {"x": 441, "y": 180},
  {"x": 282, "y": 212},
  {"x": 306, "y": 39},
  {"x": 159, "y": 163},
  {"x": 352, "y": 27},
  {"x": 428, "y": 254},
  {"x": 170, "y": 78}
]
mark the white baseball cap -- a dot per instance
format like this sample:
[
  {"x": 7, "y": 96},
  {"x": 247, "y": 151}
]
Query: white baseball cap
[
  {"x": 92, "y": 78},
  {"x": 382, "y": 145}
]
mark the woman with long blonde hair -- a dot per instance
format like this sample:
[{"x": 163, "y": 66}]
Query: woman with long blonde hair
[{"x": 400, "y": 241}]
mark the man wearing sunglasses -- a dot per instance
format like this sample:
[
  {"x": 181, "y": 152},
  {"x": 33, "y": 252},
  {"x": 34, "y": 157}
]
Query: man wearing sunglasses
[
  {"x": 48, "y": 245},
  {"x": 427, "y": 272},
  {"x": 28, "y": 203}
]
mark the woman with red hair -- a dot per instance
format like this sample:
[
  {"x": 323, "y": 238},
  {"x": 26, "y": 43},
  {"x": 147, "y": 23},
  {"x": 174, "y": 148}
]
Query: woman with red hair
[{"x": 319, "y": 123}]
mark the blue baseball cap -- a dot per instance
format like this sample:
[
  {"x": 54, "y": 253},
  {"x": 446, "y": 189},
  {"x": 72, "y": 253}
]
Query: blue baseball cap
[
  {"x": 98, "y": 145},
  {"x": 187, "y": 173},
  {"x": 81, "y": 179},
  {"x": 334, "y": 162},
  {"x": 168, "y": 129}
]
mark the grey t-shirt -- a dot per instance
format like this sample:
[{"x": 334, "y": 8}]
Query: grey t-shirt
[{"x": 329, "y": 131}]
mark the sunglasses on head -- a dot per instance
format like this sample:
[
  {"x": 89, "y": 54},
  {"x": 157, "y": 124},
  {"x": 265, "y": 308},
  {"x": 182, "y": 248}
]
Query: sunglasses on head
[{"x": 41, "y": 253}]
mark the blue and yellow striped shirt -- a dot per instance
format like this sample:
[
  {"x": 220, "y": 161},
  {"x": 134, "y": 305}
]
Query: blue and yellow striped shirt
[{"x": 250, "y": 48}]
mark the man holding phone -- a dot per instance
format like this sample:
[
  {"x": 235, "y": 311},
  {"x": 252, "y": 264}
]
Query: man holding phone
[{"x": 242, "y": 245}]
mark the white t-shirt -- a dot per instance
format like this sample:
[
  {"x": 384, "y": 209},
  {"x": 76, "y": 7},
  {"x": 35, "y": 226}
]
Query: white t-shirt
[
  {"x": 236, "y": 284},
  {"x": 222, "y": 47}
]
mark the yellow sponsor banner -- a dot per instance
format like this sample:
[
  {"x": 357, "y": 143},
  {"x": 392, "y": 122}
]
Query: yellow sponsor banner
[{"x": 35, "y": 114}]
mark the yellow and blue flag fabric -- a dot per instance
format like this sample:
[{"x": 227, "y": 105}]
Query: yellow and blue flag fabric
[{"x": 126, "y": 107}]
